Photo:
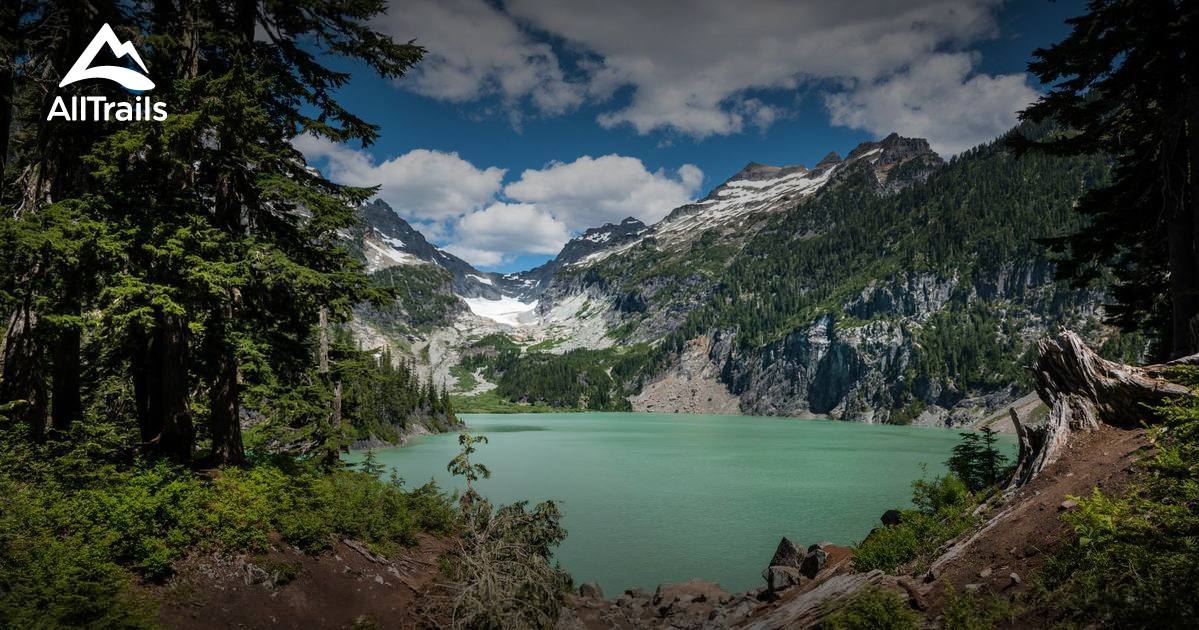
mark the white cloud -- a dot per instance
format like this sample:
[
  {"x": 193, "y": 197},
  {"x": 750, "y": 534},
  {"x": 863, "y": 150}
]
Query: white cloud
[
  {"x": 421, "y": 185},
  {"x": 592, "y": 191},
  {"x": 937, "y": 100},
  {"x": 500, "y": 231},
  {"x": 693, "y": 67},
  {"x": 475, "y": 51},
  {"x": 450, "y": 200}
]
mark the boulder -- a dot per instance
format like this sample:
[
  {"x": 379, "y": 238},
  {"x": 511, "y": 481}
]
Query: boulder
[
  {"x": 787, "y": 554},
  {"x": 813, "y": 562},
  {"x": 591, "y": 590},
  {"x": 780, "y": 578},
  {"x": 892, "y": 518}
]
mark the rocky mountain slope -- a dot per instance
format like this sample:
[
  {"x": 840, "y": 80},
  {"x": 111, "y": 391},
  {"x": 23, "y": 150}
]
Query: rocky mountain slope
[{"x": 887, "y": 286}]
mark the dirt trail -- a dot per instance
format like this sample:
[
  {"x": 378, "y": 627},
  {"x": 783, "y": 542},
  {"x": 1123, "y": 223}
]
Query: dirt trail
[
  {"x": 342, "y": 588},
  {"x": 1020, "y": 535}
]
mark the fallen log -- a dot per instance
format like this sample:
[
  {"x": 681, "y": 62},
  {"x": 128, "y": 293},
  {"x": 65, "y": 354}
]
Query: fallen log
[{"x": 1082, "y": 391}]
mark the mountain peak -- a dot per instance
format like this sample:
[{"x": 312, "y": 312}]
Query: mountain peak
[
  {"x": 830, "y": 159},
  {"x": 894, "y": 148},
  {"x": 756, "y": 170}
]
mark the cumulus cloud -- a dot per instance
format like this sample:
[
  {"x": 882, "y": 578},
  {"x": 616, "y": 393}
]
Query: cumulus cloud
[
  {"x": 493, "y": 235},
  {"x": 592, "y": 191},
  {"x": 699, "y": 68},
  {"x": 475, "y": 50},
  {"x": 421, "y": 185},
  {"x": 937, "y": 100},
  {"x": 466, "y": 207}
]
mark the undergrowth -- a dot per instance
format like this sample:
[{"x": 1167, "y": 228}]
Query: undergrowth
[
  {"x": 943, "y": 508},
  {"x": 1134, "y": 559},
  {"x": 80, "y": 523}
]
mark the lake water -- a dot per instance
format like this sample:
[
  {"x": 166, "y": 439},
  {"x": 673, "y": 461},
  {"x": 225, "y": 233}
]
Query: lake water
[{"x": 653, "y": 498}]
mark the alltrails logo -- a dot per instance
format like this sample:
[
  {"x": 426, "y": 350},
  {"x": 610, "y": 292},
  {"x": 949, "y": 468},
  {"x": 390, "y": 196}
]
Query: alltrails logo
[{"x": 81, "y": 108}]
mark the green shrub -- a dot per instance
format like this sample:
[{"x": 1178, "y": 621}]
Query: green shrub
[
  {"x": 965, "y": 611},
  {"x": 1134, "y": 560},
  {"x": 72, "y": 544},
  {"x": 873, "y": 609},
  {"x": 943, "y": 510}
]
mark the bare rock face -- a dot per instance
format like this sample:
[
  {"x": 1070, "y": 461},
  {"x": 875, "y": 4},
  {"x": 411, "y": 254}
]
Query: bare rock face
[
  {"x": 787, "y": 554},
  {"x": 591, "y": 590},
  {"x": 780, "y": 578},
  {"x": 813, "y": 562}
]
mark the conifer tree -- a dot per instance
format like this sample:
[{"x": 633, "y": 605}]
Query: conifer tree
[{"x": 1126, "y": 83}]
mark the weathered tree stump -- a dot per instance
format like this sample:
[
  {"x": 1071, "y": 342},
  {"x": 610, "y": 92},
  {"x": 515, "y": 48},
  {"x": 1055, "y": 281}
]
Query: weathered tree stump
[{"x": 1082, "y": 391}]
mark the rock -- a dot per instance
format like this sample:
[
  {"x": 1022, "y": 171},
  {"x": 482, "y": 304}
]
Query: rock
[
  {"x": 638, "y": 593},
  {"x": 787, "y": 554},
  {"x": 813, "y": 562},
  {"x": 378, "y": 579},
  {"x": 780, "y": 578},
  {"x": 689, "y": 591},
  {"x": 591, "y": 590},
  {"x": 973, "y": 588},
  {"x": 892, "y": 518},
  {"x": 985, "y": 573},
  {"x": 1068, "y": 504},
  {"x": 1013, "y": 579}
]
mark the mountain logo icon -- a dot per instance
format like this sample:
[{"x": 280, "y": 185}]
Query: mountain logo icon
[{"x": 127, "y": 77}]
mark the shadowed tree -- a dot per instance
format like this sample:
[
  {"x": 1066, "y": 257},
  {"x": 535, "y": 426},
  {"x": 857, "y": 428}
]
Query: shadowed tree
[{"x": 1126, "y": 83}]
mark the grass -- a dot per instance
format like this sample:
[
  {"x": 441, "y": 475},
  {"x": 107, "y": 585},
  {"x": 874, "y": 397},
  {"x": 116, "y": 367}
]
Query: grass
[
  {"x": 465, "y": 380},
  {"x": 491, "y": 402},
  {"x": 546, "y": 345}
]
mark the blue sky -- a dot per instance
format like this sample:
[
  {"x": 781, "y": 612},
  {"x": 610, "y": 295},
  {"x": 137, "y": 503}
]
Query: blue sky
[{"x": 530, "y": 121}]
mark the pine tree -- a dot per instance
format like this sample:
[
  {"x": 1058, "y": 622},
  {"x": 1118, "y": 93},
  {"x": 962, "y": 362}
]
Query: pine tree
[
  {"x": 1126, "y": 83},
  {"x": 217, "y": 246}
]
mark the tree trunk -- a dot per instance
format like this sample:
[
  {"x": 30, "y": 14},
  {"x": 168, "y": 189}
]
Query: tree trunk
[
  {"x": 1083, "y": 390},
  {"x": 66, "y": 404},
  {"x": 331, "y": 455},
  {"x": 1192, "y": 199},
  {"x": 161, "y": 388},
  {"x": 224, "y": 405},
  {"x": 22, "y": 378},
  {"x": 322, "y": 356},
  {"x": 1181, "y": 230},
  {"x": 9, "y": 22}
]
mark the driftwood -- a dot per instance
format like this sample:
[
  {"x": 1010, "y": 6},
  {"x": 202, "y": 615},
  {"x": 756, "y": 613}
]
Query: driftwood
[
  {"x": 1082, "y": 391},
  {"x": 808, "y": 609}
]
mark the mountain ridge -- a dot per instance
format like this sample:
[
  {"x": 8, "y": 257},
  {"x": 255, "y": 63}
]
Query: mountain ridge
[{"x": 812, "y": 292}]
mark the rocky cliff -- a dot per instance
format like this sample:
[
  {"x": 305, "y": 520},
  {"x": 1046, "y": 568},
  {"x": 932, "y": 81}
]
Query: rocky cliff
[{"x": 886, "y": 286}]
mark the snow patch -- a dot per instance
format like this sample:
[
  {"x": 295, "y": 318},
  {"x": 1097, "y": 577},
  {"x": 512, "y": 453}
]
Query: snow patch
[
  {"x": 506, "y": 310},
  {"x": 480, "y": 279}
]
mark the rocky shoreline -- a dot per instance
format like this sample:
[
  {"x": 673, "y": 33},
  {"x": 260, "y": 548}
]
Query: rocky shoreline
[
  {"x": 406, "y": 435},
  {"x": 701, "y": 605}
]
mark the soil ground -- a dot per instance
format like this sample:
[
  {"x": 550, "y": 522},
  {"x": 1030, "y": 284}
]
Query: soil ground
[
  {"x": 1031, "y": 528},
  {"x": 345, "y": 587}
]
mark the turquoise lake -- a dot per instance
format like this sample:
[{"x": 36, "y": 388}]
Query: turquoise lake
[{"x": 653, "y": 498}]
